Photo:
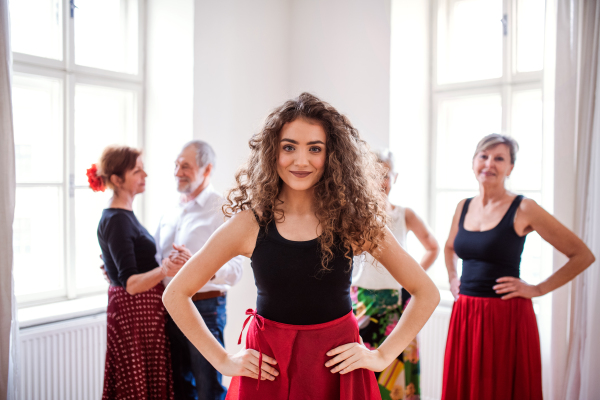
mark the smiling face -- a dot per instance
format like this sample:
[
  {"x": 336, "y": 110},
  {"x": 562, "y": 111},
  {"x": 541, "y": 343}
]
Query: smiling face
[
  {"x": 302, "y": 152},
  {"x": 187, "y": 172},
  {"x": 493, "y": 165},
  {"x": 135, "y": 179}
]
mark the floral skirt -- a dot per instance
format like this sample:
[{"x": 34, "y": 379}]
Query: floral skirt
[{"x": 378, "y": 312}]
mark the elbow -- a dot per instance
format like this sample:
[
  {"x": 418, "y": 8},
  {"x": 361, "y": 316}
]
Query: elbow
[
  {"x": 170, "y": 299},
  {"x": 436, "y": 250},
  {"x": 131, "y": 286},
  {"x": 428, "y": 295},
  {"x": 435, "y": 296},
  {"x": 449, "y": 248},
  {"x": 585, "y": 258},
  {"x": 166, "y": 299},
  {"x": 131, "y": 289},
  {"x": 591, "y": 258}
]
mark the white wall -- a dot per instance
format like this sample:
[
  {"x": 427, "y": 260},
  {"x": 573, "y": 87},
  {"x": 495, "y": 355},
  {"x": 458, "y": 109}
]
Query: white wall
[
  {"x": 241, "y": 72},
  {"x": 169, "y": 99},
  {"x": 409, "y": 102},
  {"x": 340, "y": 51}
]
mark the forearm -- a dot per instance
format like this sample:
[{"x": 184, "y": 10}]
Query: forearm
[
  {"x": 450, "y": 258},
  {"x": 576, "y": 264},
  {"x": 428, "y": 258},
  {"x": 139, "y": 283},
  {"x": 190, "y": 322},
  {"x": 422, "y": 304}
]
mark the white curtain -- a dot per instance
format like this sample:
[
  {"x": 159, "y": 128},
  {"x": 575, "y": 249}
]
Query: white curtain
[
  {"x": 8, "y": 323},
  {"x": 578, "y": 35}
]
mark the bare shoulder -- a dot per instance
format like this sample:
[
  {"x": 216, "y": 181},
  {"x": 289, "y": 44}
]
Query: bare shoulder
[
  {"x": 241, "y": 229},
  {"x": 530, "y": 208},
  {"x": 460, "y": 205},
  {"x": 410, "y": 218},
  {"x": 457, "y": 212},
  {"x": 244, "y": 221}
]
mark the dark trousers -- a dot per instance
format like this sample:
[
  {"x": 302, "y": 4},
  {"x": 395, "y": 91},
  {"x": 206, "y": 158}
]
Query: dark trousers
[{"x": 193, "y": 376}]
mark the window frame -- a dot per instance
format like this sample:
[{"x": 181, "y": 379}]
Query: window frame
[
  {"x": 70, "y": 75},
  {"x": 510, "y": 81}
]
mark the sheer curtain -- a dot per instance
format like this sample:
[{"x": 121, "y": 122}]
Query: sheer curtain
[
  {"x": 578, "y": 35},
  {"x": 8, "y": 322}
]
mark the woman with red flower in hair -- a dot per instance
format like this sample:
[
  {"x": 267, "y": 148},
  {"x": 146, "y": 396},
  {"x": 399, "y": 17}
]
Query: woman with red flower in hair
[{"x": 138, "y": 362}]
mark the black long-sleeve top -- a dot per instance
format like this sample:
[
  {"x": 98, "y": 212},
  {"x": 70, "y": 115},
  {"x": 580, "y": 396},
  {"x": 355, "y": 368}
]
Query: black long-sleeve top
[{"x": 127, "y": 247}]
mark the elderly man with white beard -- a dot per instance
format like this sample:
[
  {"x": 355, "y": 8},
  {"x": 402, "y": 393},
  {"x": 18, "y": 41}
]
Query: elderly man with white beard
[{"x": 182, "y": 231}]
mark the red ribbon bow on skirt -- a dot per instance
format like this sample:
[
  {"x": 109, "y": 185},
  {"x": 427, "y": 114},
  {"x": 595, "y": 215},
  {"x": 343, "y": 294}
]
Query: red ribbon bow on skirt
[{"x": 260, "y": 322}]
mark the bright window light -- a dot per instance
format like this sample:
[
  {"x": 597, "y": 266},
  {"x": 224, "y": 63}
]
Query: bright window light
[
  {"x": 530, "y": 35},
  {"x": 103, "y": 116},
  {"x": 106, "y": 34},
  {"x": 36, "y": 27},
  {"x": 37, "y": 118},
  {"x": 38, "y": 240},
  {"x": 469, "y": 36}
]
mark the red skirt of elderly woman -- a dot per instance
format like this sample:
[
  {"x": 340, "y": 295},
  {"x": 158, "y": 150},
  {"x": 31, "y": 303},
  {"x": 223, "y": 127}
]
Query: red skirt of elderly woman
[{"x": 493, "y": 347}]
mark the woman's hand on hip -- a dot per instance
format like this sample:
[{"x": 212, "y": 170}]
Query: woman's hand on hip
[
  {"x": 455, "y": 287},
  {"x": 245, "y": 363},
  {"x": 516, "y": 287},
  {"x": 351, "y": 356}
]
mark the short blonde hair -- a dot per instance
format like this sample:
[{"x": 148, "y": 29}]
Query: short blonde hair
[{"x": 494, "y": 140}]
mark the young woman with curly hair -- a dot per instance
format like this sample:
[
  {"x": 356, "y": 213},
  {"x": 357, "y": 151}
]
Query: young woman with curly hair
[{"x": 306, "y": 202}]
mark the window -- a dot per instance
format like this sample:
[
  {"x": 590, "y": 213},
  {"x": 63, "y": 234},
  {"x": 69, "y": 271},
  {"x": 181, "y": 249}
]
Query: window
[
  {"x": 77, "y": 87},
  {"x": 487, "y": 78}
]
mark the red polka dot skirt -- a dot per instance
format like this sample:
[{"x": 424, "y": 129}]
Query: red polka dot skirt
[{"x": 138, "y": 359}]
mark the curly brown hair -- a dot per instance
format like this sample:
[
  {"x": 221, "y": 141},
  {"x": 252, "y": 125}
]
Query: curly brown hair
[{"x": 349, "y": 202}]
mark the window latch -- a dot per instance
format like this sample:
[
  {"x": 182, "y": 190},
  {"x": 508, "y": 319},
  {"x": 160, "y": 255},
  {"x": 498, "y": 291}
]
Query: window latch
[
  {"x": 504, "y": 21},
  {"x": 73, "y": 7}
]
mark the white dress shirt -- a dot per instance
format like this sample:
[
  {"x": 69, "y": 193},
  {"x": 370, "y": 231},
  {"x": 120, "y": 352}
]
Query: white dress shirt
[
  {"x": 191, "y": 224},
  {"x": 370, "y": 274}
]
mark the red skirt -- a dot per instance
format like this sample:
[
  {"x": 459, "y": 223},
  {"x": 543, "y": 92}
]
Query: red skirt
[
  {"x": 138, "y": 359},
  {"x": 300, "y": 354},
  {"x": 493, "y": 350}
]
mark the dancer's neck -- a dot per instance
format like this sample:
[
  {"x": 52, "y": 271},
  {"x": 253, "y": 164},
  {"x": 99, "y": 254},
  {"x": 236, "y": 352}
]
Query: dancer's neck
[
  {"x": 122, "y": 200},
  {"x": 492, "y": 194},
  {"x": 297, "y": 201}
]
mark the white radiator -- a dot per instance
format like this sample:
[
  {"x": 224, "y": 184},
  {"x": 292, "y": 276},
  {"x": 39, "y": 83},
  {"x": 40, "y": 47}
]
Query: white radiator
[
  {"x": 63, "y": 360},
  {"x": 432, "y": 346}
]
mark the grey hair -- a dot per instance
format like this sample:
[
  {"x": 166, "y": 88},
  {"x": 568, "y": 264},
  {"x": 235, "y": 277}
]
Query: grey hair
[
  {"x": 493, "y": 140},
  {"x": 386, "y": 156},
  {"x": 204, "y": 152}
]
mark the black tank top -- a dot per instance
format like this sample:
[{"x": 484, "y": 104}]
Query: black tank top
[
  {"x": 292, "y": 286},
  {"x": 488, "y": 255}
]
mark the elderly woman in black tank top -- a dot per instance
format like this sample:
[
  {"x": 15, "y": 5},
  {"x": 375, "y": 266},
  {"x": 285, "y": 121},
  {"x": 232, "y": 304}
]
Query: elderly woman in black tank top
[
  {"x": 493, "y": 349},
  {"x": 308, "y": 199}
]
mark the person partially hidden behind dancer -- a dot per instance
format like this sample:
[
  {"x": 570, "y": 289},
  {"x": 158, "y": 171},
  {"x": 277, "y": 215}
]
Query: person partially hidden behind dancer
[
  {"x": 493, "y": 347},
  {"x": 379, "y": 300},
  {"x": 138, "y": 361},
  {"x": 308, "y": 199}
]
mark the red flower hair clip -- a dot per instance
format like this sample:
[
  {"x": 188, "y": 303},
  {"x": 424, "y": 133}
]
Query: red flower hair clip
[{"x": 96, "y": 182}]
